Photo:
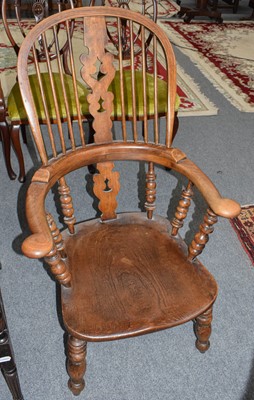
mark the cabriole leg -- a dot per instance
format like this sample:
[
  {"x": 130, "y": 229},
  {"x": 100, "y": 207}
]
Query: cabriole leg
[
  {"x": 76, "y": 364},
  {"x": 17, "y": 148},
  {"x": 203, "y": 329},
  {"x": 6, "y": 143}
]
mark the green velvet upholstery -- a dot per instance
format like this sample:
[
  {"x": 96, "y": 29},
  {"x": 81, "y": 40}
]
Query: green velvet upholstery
[
  {"x": 17, "y": 112},
  {"x": 16, "y": 109},
  {"x": 162, "y": 94}
]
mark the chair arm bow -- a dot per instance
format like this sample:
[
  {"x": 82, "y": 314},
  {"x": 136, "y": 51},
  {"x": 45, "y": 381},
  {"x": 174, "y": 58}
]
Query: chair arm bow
[{"x": 37, "y": 246}]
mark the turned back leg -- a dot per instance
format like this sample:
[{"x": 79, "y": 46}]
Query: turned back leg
[
  {"x": 76, "y": 364},
  {"x": 203, "y": 329}
]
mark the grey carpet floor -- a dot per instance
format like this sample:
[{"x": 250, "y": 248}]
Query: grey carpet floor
[{"x": 164, "y": 365}]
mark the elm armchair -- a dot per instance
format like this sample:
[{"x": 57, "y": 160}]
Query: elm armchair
[{"x": 125, "y": 273}]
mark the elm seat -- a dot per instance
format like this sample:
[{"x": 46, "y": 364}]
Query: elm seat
[
  {"x": 17, "y": 111},
  {"x": 138, "y": 288}
]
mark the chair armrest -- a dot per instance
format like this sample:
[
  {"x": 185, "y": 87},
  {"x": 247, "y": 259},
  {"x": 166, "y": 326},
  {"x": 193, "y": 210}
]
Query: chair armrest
[
  {"x": 40, "y": 243},
  {"x": 36, "y": 246},
  {"x": 223, "y": 207}
]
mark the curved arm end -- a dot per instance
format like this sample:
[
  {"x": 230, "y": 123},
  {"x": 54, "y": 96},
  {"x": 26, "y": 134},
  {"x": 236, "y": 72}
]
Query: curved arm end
[
  {"x": 36, "y": 246},
  {"x": 227, "y": 208}
]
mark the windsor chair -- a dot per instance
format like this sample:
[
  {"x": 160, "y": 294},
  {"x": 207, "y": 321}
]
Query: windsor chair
[{"x": 125, "y": 273}]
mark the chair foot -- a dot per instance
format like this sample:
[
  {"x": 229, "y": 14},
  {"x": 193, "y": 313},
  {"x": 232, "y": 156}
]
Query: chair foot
[
  {"x": 203, "y": 329},
  {"x": 22, "y": 178},
  {"x": 76, "y": 364},
  {"x": 76, "y": 388}
]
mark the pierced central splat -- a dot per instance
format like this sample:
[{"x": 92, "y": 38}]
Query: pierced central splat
[
  {"x": 101, "y": 101},
  {"x": 107, "y": 188},
  {"x": 98, "y": 73}
]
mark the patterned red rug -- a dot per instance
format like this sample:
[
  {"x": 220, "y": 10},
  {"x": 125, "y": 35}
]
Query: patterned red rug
[
  {"x": 244, "y": 227},
  {"x": 165, "y": 8},
  {"x": 223, "y": 52}
]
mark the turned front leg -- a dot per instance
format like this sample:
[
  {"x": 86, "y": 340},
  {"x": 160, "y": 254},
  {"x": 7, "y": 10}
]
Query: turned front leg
[
  {"x": 76, "y": 364},
  {"x": 203, "y": 329}
]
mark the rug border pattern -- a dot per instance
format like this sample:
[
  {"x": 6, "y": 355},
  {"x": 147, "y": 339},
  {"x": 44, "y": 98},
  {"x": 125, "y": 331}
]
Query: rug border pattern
[
  {"x": 205, "y": 66},
  {"x": 242, "y": 234}
]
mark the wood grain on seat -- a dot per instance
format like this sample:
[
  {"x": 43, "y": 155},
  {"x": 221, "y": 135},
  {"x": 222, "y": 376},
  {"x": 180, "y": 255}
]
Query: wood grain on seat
[{"x": 137, "y": 281}]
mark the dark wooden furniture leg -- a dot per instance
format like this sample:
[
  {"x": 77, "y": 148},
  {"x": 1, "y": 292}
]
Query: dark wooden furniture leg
[
  {"x": 17, "y": 148},
  {"x": 201, "y": 10},
  {"x": 5, "y": 136},
  {"x": 251, "y": 17},
  {"x": 23, "y": 133},
  {"x": 7, "y": 363},
  {"x": 6, "y": 143}
]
